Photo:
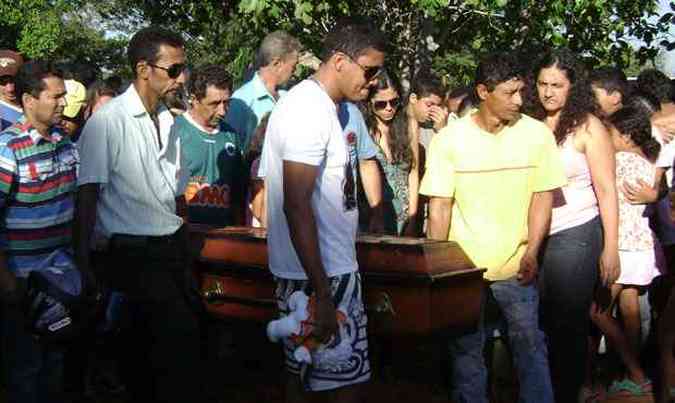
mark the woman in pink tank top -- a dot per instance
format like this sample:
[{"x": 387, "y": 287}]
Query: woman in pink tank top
[{"x": 582, "y": 244}]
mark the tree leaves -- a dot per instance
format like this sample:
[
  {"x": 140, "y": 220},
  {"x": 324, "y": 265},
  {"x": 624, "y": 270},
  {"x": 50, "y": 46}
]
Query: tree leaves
[{"x": 447, "y": 35}]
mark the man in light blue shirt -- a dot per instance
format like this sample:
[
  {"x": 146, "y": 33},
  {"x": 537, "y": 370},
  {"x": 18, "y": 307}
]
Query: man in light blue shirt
[{"x": 275, "y": 62}]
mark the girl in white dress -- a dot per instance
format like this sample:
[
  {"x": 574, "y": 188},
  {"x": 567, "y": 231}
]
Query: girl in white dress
[{"x": 636, "y": 153}]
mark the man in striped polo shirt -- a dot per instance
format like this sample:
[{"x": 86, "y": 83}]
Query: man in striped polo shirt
[{"x": 38, "y": 167}]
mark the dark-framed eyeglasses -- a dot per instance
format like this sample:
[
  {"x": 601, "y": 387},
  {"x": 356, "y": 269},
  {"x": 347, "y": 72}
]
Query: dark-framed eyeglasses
[
  {"x": 394, "y": 103},
  {"x": 4, "y": 80},
  {"x": 369, "y": 72},
  {"x": 172, "y": 71}
]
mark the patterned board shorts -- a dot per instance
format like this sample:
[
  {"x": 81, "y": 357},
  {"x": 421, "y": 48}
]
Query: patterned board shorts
[{"x": 347, "y": 296}]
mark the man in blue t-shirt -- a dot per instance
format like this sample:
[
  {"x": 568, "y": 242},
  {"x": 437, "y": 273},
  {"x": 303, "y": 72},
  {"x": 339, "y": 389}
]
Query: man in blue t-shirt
[
  {"x": 10, "y": 110},
  {"x": 353, "y": 124}
]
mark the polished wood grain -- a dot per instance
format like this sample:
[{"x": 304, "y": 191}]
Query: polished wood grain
[{"x": 412, "y": 286}]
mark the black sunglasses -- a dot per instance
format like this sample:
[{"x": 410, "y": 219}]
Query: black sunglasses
[
  {"x": 369, "y": 73},
  {"x": 172, "y": 71},
  {"x": 394, "y": 102}
]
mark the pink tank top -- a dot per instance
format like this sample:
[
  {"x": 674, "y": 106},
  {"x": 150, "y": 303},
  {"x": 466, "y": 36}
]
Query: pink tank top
[{"x": 578, "y": 203}]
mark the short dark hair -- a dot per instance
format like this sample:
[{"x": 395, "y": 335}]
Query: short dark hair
[
  {"x": 208, "y": 75},
  {"x": 31, "y": 76},
  {"x": 610, "y": 79},
  {"x": 99, "y": 88},
  {"x": 652, "y": 81},
  {"x": 426, "y": 83},
  {"x": 145, "y": 44},
  {"x": 634, "y": 122},
  {"x": 458, "y": 92},
  {"x": 647, "y": 103},
  {"x": 497, "y": 68},
  {"x": 352, "y": 39}
]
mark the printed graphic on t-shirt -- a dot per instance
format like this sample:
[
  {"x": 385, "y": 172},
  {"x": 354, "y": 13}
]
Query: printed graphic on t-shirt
[{"x": 206, "y": 195}]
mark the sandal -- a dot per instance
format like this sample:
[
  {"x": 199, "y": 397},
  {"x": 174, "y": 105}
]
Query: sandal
[{"x": 628, "y": 388}]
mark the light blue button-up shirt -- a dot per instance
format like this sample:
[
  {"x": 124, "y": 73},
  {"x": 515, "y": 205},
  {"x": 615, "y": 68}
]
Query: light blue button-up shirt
[
  {"x": 119, "y": 150},
  {"x": 247, "y": 107}
]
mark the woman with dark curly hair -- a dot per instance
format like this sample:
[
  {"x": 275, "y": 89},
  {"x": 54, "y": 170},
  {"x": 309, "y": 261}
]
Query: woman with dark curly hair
[
  {"x": 389, "y": 126},
  {"x": 584, "y": 222}
]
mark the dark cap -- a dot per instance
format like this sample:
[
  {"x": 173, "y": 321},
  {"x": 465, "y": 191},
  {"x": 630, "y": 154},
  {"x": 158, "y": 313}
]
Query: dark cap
[{"x": 10, "y": 62}]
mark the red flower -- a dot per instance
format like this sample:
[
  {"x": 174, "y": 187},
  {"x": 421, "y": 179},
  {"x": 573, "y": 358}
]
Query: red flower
[{"x": 351, "y": 138}]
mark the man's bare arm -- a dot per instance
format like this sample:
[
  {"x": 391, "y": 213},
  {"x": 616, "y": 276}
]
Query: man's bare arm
[
  {"x": 539, "y": 219},
  {"x": 372, "y": 187},
  {"x": 299, "y": 181},
  {"x": 538, "y": 224},
  {"x": 440, "y": 214},
  {"x": 85, "y": 219}
]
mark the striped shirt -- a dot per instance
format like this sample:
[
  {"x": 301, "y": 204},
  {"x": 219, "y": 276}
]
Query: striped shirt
[{"x": 37, "y": 189}]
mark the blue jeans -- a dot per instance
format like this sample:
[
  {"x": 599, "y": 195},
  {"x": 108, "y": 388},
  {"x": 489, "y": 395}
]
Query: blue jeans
[
  {"x": 519, "y": 307},
  {"x": 568, "y": 273},
  {"x": 33, "y": 371}
]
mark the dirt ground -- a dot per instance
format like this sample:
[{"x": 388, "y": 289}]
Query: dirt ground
[{"x": 245, "y": 367}]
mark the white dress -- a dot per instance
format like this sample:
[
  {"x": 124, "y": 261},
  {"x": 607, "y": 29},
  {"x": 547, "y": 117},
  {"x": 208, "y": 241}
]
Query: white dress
[{"x": 636, "y": 239}]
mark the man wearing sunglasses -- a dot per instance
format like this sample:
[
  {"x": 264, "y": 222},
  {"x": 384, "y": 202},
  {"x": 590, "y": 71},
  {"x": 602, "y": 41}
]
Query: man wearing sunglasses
[
  {"x": 129, "y": 196},
  {"x": 309, "y": 165},
  {"x": 10, "y": 109}
]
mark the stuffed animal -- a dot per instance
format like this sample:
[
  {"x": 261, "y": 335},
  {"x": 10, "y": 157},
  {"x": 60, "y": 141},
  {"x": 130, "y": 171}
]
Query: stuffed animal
[{"x": 298, "y": 329}]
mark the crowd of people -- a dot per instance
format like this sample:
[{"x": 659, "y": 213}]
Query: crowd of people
[{"x": 553, "y": 177}]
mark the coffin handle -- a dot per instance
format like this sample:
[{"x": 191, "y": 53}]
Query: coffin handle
[
  {"x": 383, "y": 305},
  {"x": 215, "y": 294}
]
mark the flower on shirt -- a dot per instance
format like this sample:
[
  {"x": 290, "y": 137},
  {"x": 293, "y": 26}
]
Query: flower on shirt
[{"x": 351, "y": 139}]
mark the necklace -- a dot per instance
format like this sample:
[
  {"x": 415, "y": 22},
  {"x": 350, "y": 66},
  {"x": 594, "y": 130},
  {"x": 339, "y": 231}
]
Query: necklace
[{"x": 323, "y": 88}]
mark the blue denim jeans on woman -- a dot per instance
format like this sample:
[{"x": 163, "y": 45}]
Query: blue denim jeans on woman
[
  {"x": 519, "y": 306},
  {"x": 568, "y": 274}
]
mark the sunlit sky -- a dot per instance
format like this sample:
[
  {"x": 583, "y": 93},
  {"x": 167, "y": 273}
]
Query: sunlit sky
[{"x": 669, "y": 66}]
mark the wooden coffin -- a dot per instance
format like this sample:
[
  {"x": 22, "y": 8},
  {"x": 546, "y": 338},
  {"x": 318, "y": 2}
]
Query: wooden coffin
[{"x": 412, "y": 286}]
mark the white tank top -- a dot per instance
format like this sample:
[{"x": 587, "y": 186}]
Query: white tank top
[{"x": 578, "y": 203}]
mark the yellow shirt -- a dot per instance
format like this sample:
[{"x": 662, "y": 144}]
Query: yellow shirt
[{"x": 491, "y": 178}]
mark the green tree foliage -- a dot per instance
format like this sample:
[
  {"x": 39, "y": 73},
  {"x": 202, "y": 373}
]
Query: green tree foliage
[
  {"x": 64, "y": 30},
  {"x": 214, "y": 31},
  {"x": 446, "y": 35},
  {"x": 31, "y": 26},
  {"x": 450, "y": 34}
]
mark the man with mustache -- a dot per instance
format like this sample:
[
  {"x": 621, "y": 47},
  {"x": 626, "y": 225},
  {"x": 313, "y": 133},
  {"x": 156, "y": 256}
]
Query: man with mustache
[
  {"x": 128, "y": 203},
  {"x": 489, "y": 178},
  {"x": 38, "y": 168},
  {"x": 210, "y": 151}
]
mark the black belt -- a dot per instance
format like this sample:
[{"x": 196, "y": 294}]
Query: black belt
[{"x": 129, "y": 240}]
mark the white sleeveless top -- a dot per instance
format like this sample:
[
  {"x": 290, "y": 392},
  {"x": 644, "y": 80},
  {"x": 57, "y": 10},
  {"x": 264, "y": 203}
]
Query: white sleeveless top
[{"x": 578, "y": 203}]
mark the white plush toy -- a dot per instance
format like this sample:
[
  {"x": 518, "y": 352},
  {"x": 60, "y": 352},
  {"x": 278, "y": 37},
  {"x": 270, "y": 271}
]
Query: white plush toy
[
  {"x": 297, "y": 326},
  {"x": 292, "y": 323}
]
